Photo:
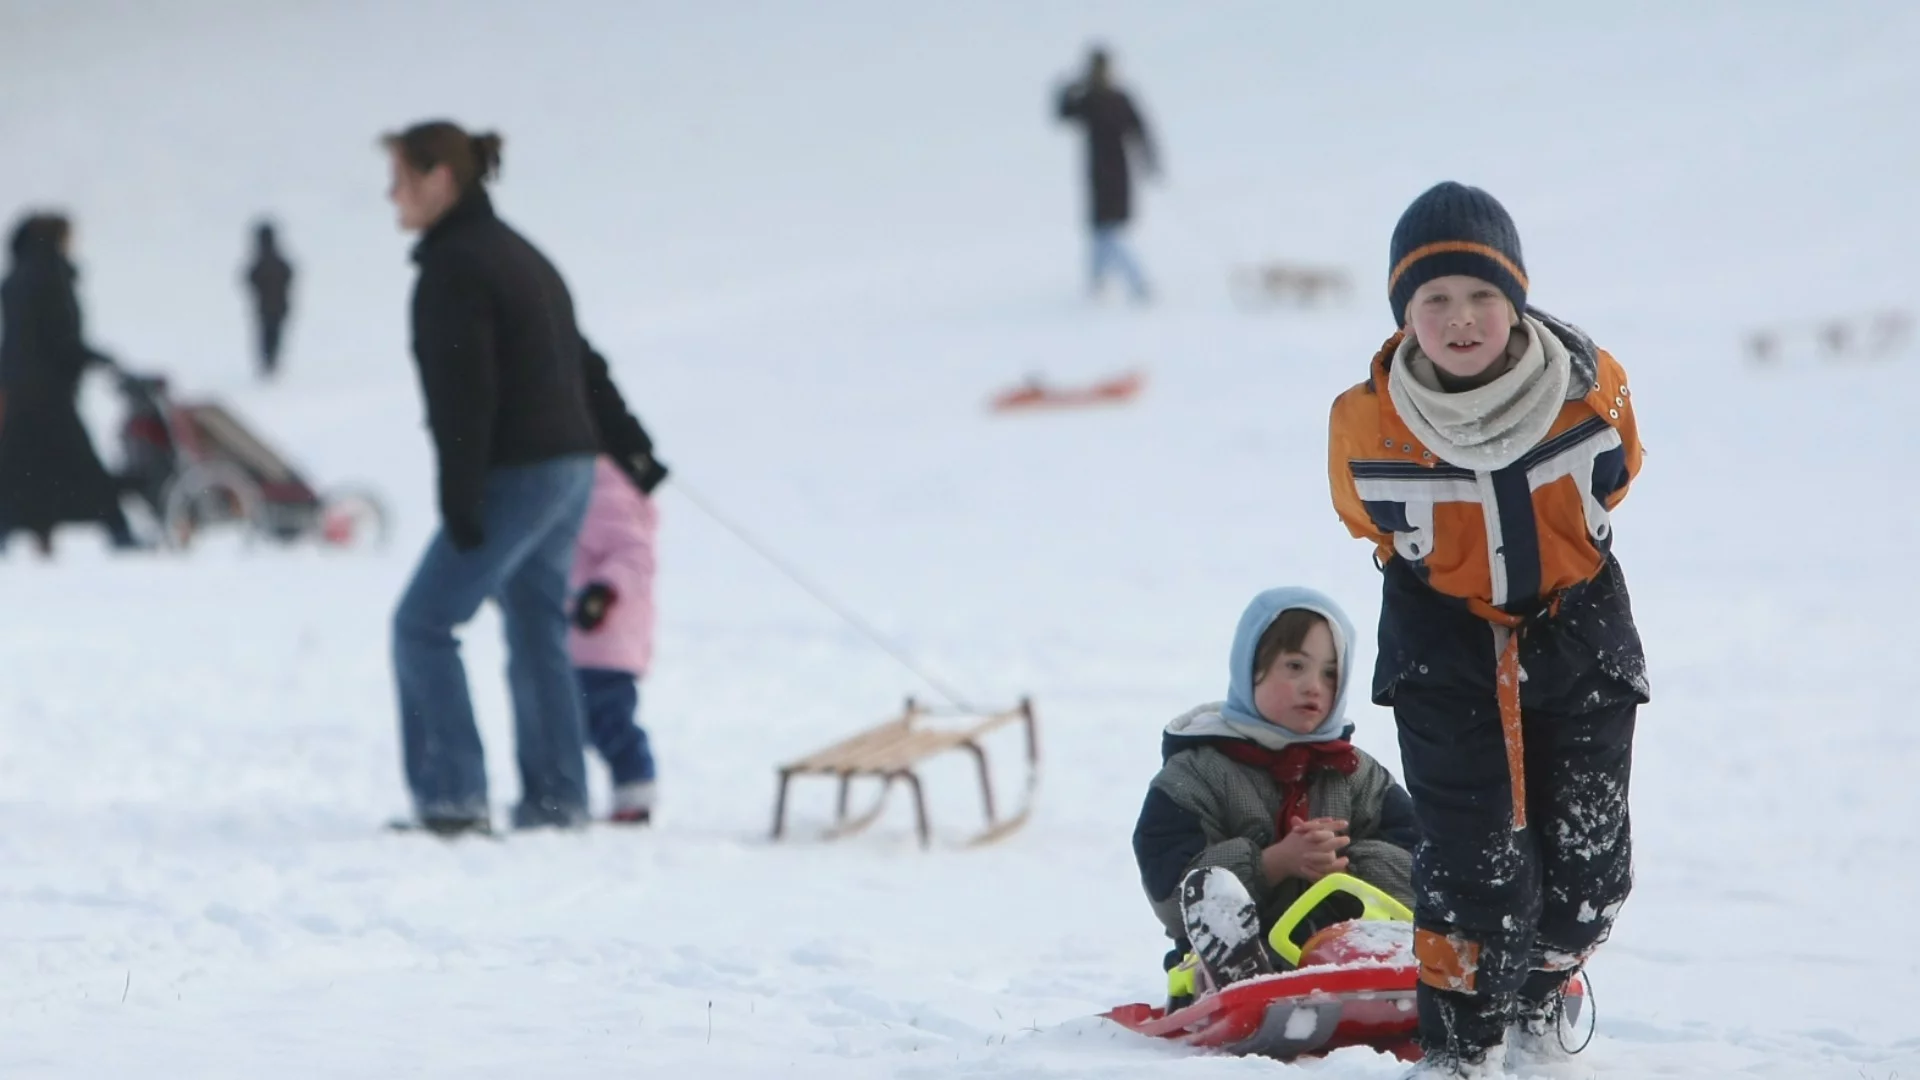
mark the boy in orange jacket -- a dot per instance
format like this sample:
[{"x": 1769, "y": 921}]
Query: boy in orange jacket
[{"x": 1483, "y": 457}]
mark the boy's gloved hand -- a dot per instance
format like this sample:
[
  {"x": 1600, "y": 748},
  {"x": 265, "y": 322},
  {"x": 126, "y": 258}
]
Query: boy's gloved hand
[
  {"x": 1310, "y": 851},
  {"x": 591, "y": 606}
]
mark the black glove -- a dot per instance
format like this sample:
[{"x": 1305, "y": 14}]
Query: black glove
[
  {"x": 591, "y": 606},
  {"x": 645, "y": 470},
  {"x": 464, "y": 536}
]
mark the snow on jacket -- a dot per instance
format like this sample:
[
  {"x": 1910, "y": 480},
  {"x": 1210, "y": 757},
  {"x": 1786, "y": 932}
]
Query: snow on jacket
[
  {"x": 1204, "y": 808},
  {"x": 617, "y": 548}
]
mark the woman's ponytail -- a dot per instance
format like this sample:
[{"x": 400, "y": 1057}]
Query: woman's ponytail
[
  {"x": 473, "y": 159},
  {"x": 486, "y": 156}
]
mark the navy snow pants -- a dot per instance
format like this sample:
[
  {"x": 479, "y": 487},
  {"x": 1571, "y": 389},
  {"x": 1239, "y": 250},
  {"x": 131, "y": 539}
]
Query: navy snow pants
[{"x": 1504, "y": 915}]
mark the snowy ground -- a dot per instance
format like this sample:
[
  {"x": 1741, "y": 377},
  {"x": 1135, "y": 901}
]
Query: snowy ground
[{"x": 814, "y": 243}]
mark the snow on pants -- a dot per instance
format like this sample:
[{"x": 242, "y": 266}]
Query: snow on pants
[{"x": 1501, "y": 912}]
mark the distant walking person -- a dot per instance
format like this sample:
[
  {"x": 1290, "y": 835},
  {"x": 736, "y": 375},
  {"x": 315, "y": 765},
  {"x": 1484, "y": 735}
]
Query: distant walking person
[
  {"x": 502, "y": 368},
  {"x": 49, "y": 472},
  {"x": 270, "y": 279},
  {"x": 1112, "y": 124}
]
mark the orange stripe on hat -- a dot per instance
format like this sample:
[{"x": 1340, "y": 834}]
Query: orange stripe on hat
[{"x": 1443, "y": 247}]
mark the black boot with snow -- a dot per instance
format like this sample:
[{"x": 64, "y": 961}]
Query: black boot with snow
[
  {"x": 1448, "y": 1065},
  {"x": 1543, "y": 1022},
  {"x": 1223, "y": 925},
  {"x": 1460, "y": 1033}
]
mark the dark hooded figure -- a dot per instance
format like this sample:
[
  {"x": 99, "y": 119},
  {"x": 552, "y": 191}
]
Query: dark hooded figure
[
  {"x": 270, "y": 279},
  {"x": 49, "y": 472},
  {"x": 1113, "y": 125}
]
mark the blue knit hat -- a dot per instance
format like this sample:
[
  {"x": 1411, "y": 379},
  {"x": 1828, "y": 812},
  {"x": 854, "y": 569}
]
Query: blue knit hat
[{"x": 1455, "y": 229}]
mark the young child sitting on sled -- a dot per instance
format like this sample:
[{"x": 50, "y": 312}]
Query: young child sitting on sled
[
  {"x": 1482, "y": 457},
  {"x": 1261, "y": 795},
  {"x": 612, "y": 636}
]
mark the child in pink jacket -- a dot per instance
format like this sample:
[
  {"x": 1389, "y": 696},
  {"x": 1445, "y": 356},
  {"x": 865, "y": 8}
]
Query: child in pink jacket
[{"x": 612, "y": 637}]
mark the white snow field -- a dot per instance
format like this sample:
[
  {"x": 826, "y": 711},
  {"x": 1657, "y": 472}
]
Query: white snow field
[{"x": 815, "y": 238}]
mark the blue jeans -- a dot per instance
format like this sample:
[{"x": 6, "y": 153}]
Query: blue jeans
[
  {"x": 531, "y": 521},
  {"x": 612, "y": 703},
  {"x": 1110, "y": 253}
]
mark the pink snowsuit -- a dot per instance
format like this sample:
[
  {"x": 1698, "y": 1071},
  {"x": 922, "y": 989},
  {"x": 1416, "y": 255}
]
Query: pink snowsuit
[{"x": 616, "y": 547}]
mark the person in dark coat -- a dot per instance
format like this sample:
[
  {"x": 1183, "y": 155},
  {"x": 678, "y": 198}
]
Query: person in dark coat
[
  {"x": 503, "y": 369},
  {"x": 270, "y": 280},
  {"x": 1113, "y": 126},
  {"x": 49, "y": 472}
]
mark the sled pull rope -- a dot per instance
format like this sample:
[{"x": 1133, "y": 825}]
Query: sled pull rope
[
  {"x": 1593, "y": 1015},
  {"x": 807, "y": 585}
]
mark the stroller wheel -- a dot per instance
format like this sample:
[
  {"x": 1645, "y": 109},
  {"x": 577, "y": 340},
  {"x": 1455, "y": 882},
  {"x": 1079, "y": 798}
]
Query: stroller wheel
[
  {"x": 352, "y": 518},
  {"x": 212, "y": 493}
]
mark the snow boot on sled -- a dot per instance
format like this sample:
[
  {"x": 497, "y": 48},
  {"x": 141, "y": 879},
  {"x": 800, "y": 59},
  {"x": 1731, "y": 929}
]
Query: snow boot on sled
[{"x": 1223, "y": 926}]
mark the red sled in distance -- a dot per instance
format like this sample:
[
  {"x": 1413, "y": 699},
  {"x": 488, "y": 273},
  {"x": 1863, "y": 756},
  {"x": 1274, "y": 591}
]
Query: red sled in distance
[{"x": 1037, "y": 394}]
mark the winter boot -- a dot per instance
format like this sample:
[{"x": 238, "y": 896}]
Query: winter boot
[
  {"x": 1460, "y": 1033},
  {"x": 633, "y": 803},
  {"x": 1451, "y": 1066},
  {"x": 449, "y": 828},
  {"x": 446, "y": 828},
  {"x": 1538, "y": 1037},
  {"x": 1223, "y": 926}
]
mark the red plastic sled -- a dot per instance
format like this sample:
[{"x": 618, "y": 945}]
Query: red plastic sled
[
  {"x": 1355, "y": 987},
  {"x": 1352, "y": 984},
  {"x": 1347, "y": 992},
  {"x": 1034, "y": 394}
]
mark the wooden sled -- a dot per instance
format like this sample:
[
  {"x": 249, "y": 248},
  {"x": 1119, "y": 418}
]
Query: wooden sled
[
  {"x": 892, "y": 751},
  {"x": 1268, "y": 285},
  {"x": 1874, "y": 336},
  {"x": 1035, "y": 394}
]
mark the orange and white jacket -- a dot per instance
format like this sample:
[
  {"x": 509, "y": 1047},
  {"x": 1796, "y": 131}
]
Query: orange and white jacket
[{"x": 1513, "y": 538}]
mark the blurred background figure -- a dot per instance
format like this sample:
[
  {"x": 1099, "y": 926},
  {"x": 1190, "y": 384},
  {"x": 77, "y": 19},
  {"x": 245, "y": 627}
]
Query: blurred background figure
[
  {"x": 1112, "y": 124},
  {"x": 270, "y": 280},
  {"x": 49, "y": 472}
]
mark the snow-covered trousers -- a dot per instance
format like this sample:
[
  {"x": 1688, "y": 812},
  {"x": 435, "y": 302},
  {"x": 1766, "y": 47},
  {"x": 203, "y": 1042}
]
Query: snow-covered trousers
[{"x": 1504, "y": 913}]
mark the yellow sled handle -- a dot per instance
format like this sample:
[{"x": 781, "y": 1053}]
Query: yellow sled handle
[{"x": 1375, "y": 904}]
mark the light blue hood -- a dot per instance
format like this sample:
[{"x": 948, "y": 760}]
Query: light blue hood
[{"x": 1237, "y": 717}]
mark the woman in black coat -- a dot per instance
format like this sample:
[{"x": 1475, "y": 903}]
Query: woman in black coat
[
  {"x": 502, "y": 368},
  {"x": 49, "y": 472}
]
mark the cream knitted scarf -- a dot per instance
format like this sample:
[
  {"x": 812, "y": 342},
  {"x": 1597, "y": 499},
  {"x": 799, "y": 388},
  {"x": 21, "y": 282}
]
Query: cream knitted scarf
[{"x": 1487, "y": 427}]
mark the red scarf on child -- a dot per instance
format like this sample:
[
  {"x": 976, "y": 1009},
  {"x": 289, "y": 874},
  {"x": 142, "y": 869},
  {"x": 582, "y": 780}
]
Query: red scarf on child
[{"x": 1289, "y": 767}]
